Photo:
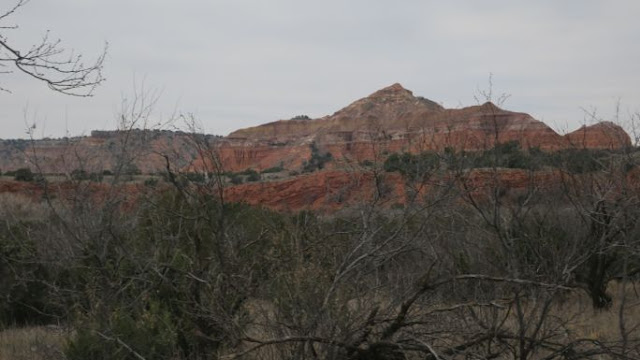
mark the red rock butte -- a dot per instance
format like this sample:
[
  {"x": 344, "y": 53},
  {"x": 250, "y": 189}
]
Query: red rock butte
[
  {"x": 389, "y": 120},
  {"x": 394, "y": 120}
]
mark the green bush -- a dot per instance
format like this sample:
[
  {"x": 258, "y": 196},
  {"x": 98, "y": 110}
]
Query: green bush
[
  {"x": 579, "y": 161},
  {"x": 412, "y": 166},
  {"x": 195, "y": 177},
  {"x": 236, "y": 179},
  {"x": 252, "y": 175},
  {"x": 505, "y": 155},
  {"x": 96, "y": 177},
  {"x": 82, "y": 175},
  {"x": 151, "y": 182},
  {"x": 132, "y": 169},
  {"x": 125, "y": 335},
  {"x": 24, "y": 174},
  {"x": 275, "y": 169},
  {"x": 23, "y": 300},
  {"x": 317, "y": 160},
  {"x": 79, "y": 174}
]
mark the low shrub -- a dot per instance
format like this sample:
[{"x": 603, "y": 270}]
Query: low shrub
[
  {"x": 275, "y": 169},
  {"x": 317, "y": 160},
  {"x": 24, "y": 174},
  {"x": 412, "y": 166},
  {"x": 252, "y": 175}
]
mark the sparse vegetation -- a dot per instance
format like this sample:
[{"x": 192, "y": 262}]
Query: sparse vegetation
[
  {"x": 236, "y": 179},
  {"x": 251, "y": 175},
  {"x": 151, "y": 182},
  {"x": 366, "y": 163},
  {"x": 24, "y": 174},
  {"x": 79, "y": 174},
  {"x": 195, "y": 177},
  {"x": 410, "y": 165},
  {"x": 247, "y": 175},
  {"x": 131, "y": 169},
  {"x": 505, "y": 155},
  {"x": 275, "y": 169},
  {"x": 317, "y": 160}
]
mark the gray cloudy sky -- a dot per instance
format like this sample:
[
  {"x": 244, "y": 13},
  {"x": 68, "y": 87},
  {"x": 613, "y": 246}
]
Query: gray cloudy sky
[{"x": 239, "y": 63}]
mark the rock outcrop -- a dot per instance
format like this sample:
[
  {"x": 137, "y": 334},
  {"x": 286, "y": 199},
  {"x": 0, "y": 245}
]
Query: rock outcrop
[
  {"x": 603, "y": 135},
  {"x": 389, "y": 120},
  {"x": 135, "y": 151},
  {"x": 394, "y": 120},
  {"x": 333, "y": 190}
]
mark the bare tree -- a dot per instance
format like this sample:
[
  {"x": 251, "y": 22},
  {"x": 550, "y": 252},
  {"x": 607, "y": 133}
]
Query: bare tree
[{"x": 48, "y": 60}]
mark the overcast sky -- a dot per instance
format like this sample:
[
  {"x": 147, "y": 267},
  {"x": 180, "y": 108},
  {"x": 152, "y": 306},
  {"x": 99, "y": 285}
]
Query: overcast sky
[{"x": 240, "y": 63}]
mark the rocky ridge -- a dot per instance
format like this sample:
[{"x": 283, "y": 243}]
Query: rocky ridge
[
  {"x": 394, "y": 120},
  {"x": 389, "y": 120}
]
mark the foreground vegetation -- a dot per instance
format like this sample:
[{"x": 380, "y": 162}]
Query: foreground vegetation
[{"x": 461, "y": 270}]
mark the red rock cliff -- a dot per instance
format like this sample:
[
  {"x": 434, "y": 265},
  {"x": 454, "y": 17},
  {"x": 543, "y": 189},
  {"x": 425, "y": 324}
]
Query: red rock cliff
[{"x": 394, "y": 120}]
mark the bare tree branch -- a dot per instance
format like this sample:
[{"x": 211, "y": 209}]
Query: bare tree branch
[{"x": 48, "y": 61}]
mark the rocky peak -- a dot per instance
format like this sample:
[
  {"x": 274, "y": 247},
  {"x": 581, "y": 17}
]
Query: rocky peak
[
  {"x": 395, "y": 90},
  {"x": 490, "y": 107},
  {"x": 395, "y": 112},
  {"x": 388, "y": 102},
  {"x": 389, "y": 108}
]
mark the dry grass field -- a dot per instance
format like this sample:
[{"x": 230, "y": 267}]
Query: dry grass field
[{"x": 33, "y": 343}]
